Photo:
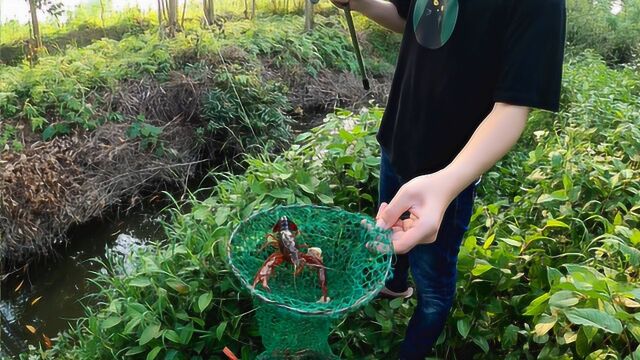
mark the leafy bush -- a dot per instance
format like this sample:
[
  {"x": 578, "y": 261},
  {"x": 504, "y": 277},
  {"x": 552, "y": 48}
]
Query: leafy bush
[
  {"x": 242, "y": 113},
  {"x": 548, "y": 268},
  {"x": 592, "y": 25},
  {"x": 177, "y": 299},
  {"x": 551, "y": 258}
]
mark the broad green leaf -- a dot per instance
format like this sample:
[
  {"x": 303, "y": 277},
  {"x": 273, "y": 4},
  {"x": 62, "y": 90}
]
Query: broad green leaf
[
  {"x": 220, "y": 329},
  {"x": 153, "y": 353},
  {"x": 559, "y": 195},
  {"x": 510, "y": 336},
  {"x": 635, "y": 237},
  {"x": 635, "y": 355},
  {"x": 595, "y": 318},
  {"x": 537, "y": 306},
  {"x": 540, "y": 339},
  {"x": 140, "y": 282},
  {"x": 569, "y": 337},
  {"x": 556, "y": 223},
  {"x": 111, "y": 322},
  {"x": 396, "y": 303},
  {"x": 150, "y": 332},
  {"x": 308, "y": 188},
  {"x": 325, "y": 199},
  {"x": 617, "y": 220},
  {"x": 511, "y": 242},
  {"x": 178, "y": 286},
  {"x": 583, "y": 345},
  {"x": 173, "y": 336},
  {"x": 281, "y": 193},
  {"x": 221, "y": 215},
  {"x": 481, "y": 266},
  {"x": 464, "y": 326},
  {"x": 563, "y": 299},
  {"x": 482, "y": 343},
  {"x": 204, "y": 300},
  {"x": 135, "y": 351},
  {"x": 489, "y": 241},
  {"x": 634, "y": 329},
  {"x": 631, "y": 253},
  {"x": 545, "y": 324},
  {"x": 554, "y": 276},
  {"x": 132, "y": 324},
  {"x": 201, "y": 213},
  {"x": 171, "y": 354}
]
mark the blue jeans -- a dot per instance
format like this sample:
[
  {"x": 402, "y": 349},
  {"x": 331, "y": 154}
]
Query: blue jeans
[{"x": 433, "y": 267}]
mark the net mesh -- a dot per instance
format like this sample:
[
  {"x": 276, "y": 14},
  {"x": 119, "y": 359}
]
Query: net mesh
[{"x": 294, "y": 323}]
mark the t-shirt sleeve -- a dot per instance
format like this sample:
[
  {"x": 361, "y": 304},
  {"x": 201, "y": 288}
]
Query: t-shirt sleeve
[
  {"x": 533, "y": 51},
  {"x": 402, "y": 6}
]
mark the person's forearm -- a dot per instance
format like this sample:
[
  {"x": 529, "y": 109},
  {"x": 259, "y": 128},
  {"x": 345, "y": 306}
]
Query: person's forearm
[
  {"x": 381, "y": 11},
  {"x": 495, "y": 136}
]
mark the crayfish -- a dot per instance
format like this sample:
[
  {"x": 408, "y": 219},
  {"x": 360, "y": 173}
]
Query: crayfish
[{"x": 283, "y": 237}]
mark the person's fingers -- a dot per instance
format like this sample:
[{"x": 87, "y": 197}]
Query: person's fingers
[
  {"x": 392, "y": 212},
  {"x": 419, "y": 232},
  {"x": 381, "y": 209},
  {"x": 379, "y": 247},
  {"x": 403, "y": 241}
]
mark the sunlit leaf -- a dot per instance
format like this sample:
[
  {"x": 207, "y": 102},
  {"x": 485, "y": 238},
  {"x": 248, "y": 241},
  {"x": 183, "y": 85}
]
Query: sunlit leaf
[{"x": 594, "y": 318}]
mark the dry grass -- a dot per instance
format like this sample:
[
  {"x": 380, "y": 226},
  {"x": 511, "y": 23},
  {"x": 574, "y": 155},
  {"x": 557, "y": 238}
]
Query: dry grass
[{"x": 70, "y": 180}]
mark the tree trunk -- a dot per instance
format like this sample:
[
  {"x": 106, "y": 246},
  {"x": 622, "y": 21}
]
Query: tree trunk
[
  {"x": 172, "y": 9},
  {"x": 184, "y": 12},
  {"x": 308, "y": 15},
  {"x": 209, "y": 13},
  {"x": 160, "y": 17},
  {"x": 253, "y": 9},
  {"x": 104, "y": 30},
  {"x": 246, "y": 9},
  {"x": 35, "y": 26}
]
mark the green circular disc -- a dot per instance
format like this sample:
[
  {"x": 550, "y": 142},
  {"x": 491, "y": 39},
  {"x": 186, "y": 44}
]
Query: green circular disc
[{"x": 434, "y": 21}]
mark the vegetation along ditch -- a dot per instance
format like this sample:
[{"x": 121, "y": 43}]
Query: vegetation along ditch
[{"x": 173, "y": 138}]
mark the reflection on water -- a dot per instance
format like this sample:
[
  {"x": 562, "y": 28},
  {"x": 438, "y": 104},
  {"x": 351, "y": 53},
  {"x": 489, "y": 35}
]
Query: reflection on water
[
  {"x": 44, "y": 296},
  {"x": 19, "y": 9}
]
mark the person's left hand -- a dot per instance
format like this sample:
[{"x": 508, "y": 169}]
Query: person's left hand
[{"x": 426, "y": 198}]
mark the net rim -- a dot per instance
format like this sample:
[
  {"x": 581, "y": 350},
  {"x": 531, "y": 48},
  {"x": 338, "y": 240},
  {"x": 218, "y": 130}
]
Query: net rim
[{"x": 360, "y": 301}]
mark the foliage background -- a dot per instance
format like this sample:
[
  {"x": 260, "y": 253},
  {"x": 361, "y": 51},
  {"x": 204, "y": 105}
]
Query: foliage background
[{"x": 548, "y": 269}]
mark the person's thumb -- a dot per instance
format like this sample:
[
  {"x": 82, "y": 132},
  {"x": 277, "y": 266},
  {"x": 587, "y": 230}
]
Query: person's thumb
[{"x": 392, "y": 212}]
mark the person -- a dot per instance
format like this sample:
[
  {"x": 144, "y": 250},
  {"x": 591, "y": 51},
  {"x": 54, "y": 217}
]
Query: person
[{"x": 468, "y": 73}]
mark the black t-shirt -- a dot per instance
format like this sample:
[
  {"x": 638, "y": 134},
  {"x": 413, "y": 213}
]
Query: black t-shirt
[{"x": 507, "y": 51}]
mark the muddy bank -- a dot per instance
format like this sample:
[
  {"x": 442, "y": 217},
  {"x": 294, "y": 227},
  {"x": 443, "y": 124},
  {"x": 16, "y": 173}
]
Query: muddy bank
[{"x": 52, "y": 185}]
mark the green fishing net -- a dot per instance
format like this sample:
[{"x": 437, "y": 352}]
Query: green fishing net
[{"x": 294, "y": 322}]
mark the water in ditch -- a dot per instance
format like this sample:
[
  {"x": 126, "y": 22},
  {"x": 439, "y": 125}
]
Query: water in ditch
[{"x": 43, "y": 297}]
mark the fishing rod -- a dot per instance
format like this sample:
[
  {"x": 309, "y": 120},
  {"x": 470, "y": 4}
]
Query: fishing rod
[{"x": 354, "y": 41}]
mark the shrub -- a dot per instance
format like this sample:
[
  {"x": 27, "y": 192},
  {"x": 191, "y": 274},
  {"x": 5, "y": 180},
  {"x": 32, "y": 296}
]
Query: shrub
[
  {"x": 592, "y": 25},
  {"x": 548, "y": 268}
]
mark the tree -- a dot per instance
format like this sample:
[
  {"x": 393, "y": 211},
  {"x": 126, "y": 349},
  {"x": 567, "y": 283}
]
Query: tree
[
  {"x": 53, "y": 8},
  {"x": 35, "y": 25},
  {"x": 168, "y": 17},
  {"x": 209, "y": 13},
  {"x": 172, "y": 20},
  {"x": 308, "y": 15}
]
